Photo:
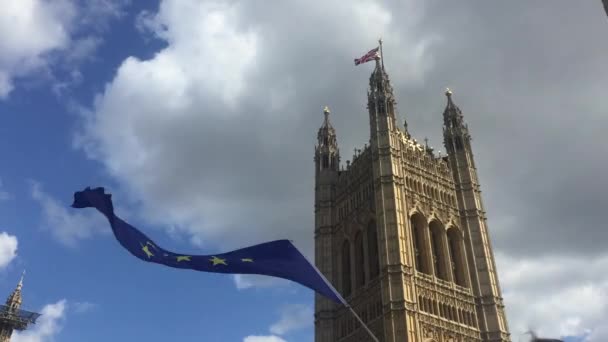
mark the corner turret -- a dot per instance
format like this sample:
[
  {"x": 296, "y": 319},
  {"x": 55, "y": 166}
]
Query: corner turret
[
  {"x": 455, "y": 130},
  {"x": 327, "y": 153}
]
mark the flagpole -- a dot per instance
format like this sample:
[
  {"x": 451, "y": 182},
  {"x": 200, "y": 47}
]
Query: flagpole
[{"x": 381, "y": 54}]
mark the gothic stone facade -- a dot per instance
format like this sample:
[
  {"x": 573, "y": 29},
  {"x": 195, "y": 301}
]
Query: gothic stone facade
[{"x": 402, "y": 234}]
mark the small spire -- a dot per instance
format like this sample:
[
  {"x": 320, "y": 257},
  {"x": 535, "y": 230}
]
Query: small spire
[
  {"x": 13, "y": 302},
  {"x": 448, "y": 94},
  {"x": 326, "y": 112},
  {"x": 452, "y": 115},
  {"x": 20, "y": 285},
  {"x": 381, "y": 53},
  {"x": 327, "y": 155}
]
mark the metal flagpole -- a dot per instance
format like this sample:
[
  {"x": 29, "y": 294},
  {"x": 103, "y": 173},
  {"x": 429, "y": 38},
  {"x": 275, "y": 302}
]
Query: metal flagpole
[{"x": 381, "y": 54}]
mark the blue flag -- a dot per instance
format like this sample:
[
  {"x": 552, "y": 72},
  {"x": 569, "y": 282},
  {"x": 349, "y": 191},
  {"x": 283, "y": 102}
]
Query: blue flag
[{"x": 276, "y": 258}]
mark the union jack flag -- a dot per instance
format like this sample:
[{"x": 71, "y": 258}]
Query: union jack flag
[{"x": 372, "y": 54}]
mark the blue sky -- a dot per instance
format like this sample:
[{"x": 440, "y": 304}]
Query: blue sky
[
  {"x": 200, "y": 117},
  {"x": 103, "y": 287}
]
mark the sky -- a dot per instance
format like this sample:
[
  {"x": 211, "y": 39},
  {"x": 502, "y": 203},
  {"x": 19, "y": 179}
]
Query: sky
[{"x": 201, "y": 117}]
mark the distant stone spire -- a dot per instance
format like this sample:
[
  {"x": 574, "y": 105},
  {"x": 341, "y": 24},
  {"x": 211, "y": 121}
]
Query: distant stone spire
[
  {"x": 452, "y": 116},
  {"x": 405, "y": 128},
  {"x": 327, "y": 154},
  {"x": 13, "y": 302},
  {"x": 327, "y": 133},
  {"x": 456, "y": 135}
]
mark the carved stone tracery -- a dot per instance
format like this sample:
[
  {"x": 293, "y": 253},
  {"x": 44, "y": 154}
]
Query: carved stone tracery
[{"x": 425, "y": 275}]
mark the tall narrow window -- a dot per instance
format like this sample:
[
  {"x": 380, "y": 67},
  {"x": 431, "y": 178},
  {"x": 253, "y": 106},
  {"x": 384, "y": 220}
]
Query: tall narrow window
[
  {"x": 457, "y": 256},
  {"x": 418, "y": 243},
  {"x": 346, "y": 281},
  {"x": 359, "y": 261},
  {"x": 421, "y": 253},
  {"x": 438, "y": 252},
  {"x": 372, "y": 249}
]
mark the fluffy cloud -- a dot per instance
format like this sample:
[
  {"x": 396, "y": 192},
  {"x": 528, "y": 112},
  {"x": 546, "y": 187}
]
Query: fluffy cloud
[
  {"x": 68, "y": 227},
  {"x": 218, "y": 116},
  {"x": 247, "y": 281},
  {"x": 214, "y": 134},
  {"x": 8, "y": 249},
  {"x": 29, "y": 29},
  {"x": 269, "y": 338},
  {"x": 47, "y": 326},
  {"x": 292, "y": 317},
  {"x": 38, "y": 34}
]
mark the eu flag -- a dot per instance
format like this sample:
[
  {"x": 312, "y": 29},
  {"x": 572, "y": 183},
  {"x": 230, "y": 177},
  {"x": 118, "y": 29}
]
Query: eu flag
[{"x": 276, "y": 258}]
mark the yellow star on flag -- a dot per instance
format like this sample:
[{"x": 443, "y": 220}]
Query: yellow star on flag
[
  {"x": 183, "y": 258},
  {"x": 218, "y": 261},
  {"x": 147, "y": 251}
]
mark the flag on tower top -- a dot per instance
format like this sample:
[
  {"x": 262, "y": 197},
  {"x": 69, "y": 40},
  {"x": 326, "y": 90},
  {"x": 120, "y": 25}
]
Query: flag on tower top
[{"x": 371, "y": 55}]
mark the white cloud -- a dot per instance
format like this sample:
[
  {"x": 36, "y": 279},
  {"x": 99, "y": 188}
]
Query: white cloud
[
  {"x": 8, "y": 249},
  {"x": 37, "y": 35},
  {"x": 205, "y": 116},
  {"x": 47, "y": 326},
  {"x": 29, "y": 29},
  {"x": 269, "y": 338},
  {"x": 293, "y": 317},
  {"x": 247, "y": 281},
  {"x": 556, "y": 296},
  {"x": 68, "y": 227}
]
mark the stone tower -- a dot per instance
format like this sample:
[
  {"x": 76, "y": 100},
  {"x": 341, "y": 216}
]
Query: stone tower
[
  {"x": 401, "y": 233},
  {"x": 12, "y": 317}
]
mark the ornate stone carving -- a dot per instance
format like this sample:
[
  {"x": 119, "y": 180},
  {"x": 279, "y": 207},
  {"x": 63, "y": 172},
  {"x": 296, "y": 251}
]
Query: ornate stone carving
[{"x": 427, "y": 184}]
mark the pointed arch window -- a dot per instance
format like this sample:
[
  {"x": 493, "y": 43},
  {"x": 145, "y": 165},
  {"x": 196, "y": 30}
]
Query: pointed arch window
[
  {"x": 418, "y": 243},
  {"x": 346, "y": 273},
  {"x": 457, "y": 259},
  {"x": 417, "y": 222},
  {"x": 372, "y": 249},
  {"x": 438, "y": 250},
  {"x": 359, "y": 261}
]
